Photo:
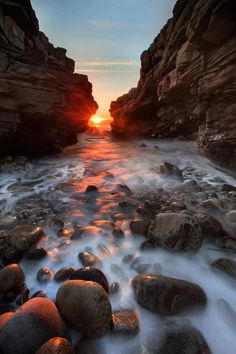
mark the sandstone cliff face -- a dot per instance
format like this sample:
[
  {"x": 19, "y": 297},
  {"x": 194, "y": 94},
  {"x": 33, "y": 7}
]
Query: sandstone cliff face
[
  {"x": 188, "y": 80},
  {"x": 43, "y": 105}
]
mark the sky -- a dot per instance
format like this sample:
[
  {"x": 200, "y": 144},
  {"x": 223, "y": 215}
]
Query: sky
[{"x": 105, "y": 38}]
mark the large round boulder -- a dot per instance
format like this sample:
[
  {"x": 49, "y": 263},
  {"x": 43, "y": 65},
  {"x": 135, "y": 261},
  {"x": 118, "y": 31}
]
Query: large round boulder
[
  {"x": 33, "y": 324},
  {"x": 4, "y": 318},
  {"x": 56, "y": 346},
  {"x": 86, "y": 306},
  {"x": 167, "y": 296},
  {"x": 91, "y": 274},
  {"x": 11, "y": 277},
  {"x": 176, "y": 232}
]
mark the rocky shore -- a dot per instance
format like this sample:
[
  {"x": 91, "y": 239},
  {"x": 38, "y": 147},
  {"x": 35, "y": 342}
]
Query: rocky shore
[
  {"x": 43, "y": 103},
  {"x": 187, "y": 81},
  {"x": 182, "y": 219}
]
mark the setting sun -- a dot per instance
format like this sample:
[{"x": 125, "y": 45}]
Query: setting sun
[{"x": 97, "y": 121}]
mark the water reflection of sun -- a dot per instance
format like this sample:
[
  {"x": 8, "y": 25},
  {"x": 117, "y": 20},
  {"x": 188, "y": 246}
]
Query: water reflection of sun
[{"x": 97, "y": 121}]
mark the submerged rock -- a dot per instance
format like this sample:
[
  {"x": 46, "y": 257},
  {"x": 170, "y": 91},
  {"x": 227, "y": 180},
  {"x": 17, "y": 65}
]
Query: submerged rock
[
  {"x": 37, "y": 321},
  {"x": 168, "y": 170},
  {"x": 225, "y": 266},
  {"x": 86, "y": 306},
  {"x": 56, "y": 345},
  {"x": 44, "y": 275},
  {"x": 176, "y": 232},
  {"x": 167, "y": 296},
  {"x": 182, "y": 340}
]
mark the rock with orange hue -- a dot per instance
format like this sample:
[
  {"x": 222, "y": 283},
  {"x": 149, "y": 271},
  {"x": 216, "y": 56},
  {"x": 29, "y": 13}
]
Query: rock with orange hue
[
  {"x": 11, "y": 277},
  {"x": 32, "y": 325},
  {"x": 187, "y": 81},
  {"x": 4, "y": 318},
  {"x": 56, "y": 346},
  {"x": 43, "y": 103},
  {"x": 86, "y": 306}
]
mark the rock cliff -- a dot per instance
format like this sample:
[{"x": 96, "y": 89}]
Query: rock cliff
[
  {"x": 43, "y": 104},
  {"x": 188, "y": 80}
]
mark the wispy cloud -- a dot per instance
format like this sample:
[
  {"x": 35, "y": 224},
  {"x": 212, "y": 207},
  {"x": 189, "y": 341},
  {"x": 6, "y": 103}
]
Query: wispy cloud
[
  {"x": 107, "y": 62},
  {"x": 109, "y": 25},
  {"x": 106, "y": 66}
]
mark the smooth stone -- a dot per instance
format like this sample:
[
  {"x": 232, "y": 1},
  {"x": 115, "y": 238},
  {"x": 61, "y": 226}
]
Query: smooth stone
[
  {"x": 88, "y": 259},
  {"x": 64, "y": 273},
  {"x": 125, "y": 189},
  {"x": 32, "y": 325},
  {"x": 56, "y": 345},
  {"x": 32, "y": 234},
  {"x": 167, "y": 296},
  {"x": 91, "y": 274},
  {"x": 39, "y": 293},
  {"x": 128, "y": 258},
  {"x": 114, "y": 288},
  {"x": 11, "y": 277},
  {"x": 125, "y": 323},
  {"x": 144, "y": 212},
  {"x": 182, "y": 340},
  {"x": 168, "y": 170},
  {"x": 176, "y": 232},
  {"x": 228, "y": 188},
  {"x": 209, "y": 225},
  {"x": 140, "y": 226},
  {"x": 86, "y": 306},
  {"x": 4, "y": 318},
  {"x": 22, "y": 244},
  {"x": 12, "y": 255},
  {"x": 91, "y": 188},
  {"x": 44, "y": 275},
  {"x": 226, "y": 266},
  {"x": 35, "y": 253},
  {"x": 88, "y": 346},
  {"x": 7, "y": 221},
  {"x": 147, "y": 245},
  {"x": 118, "y": 233}
]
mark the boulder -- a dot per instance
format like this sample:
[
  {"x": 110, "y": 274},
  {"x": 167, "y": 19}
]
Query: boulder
[
  {"x": 176, "y": 232},
  {"x": 4, "y": 318},
  {"x": 56, "y": 346},
  {"x": 167, "y": 296},
  {"x": 86, "y": 306},
  {"x": 210, "y": 226},
  {"x": 11, "y": 277},
  {"x": 64, "y": 273},
  {"x": 32, "y": 325}
]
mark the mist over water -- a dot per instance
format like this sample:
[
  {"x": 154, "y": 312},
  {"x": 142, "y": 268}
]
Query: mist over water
[{"x": 61, "y": 181}]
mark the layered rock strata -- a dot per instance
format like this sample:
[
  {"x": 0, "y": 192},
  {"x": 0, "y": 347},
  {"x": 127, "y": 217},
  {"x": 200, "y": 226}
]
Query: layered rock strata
[
  {"x": 43, "y": 104},
  {"x": 187, "y": 85}
]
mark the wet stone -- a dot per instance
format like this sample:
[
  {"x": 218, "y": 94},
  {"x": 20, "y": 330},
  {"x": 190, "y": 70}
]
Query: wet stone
[
  {"x": 39, "y": 293},
  {"x": 167, "y": 296},
  {"x": 225, "y": 266},
  {"x": 11, "y": 277},
  {"x": 118, "y": 233},
  {"x": 128, "y": 258},
  {"x": 35, "y": 253},
  {"x": 114, "y": 288},
  {"x": 44, "y": 275},
  {"x": 91, "y": 188},
  {"x": 91, "y": 274},
  {"x": 140, "y": 226},
  {"x": 125, "y": 323},
  {"x": 12, "y": 255},
  {"x": 144, "y": 212},
  {"x": 64, "y": 273},
  {"x": 168, "y": 170},
  {"x": 147, "y": 245},
  {"x": 88, "y": 259}
]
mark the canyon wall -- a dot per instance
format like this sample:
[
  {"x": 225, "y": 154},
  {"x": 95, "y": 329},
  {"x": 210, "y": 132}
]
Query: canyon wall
[
  {"x": 187, "y": 85},
  {"x": 43, "y": 104}
]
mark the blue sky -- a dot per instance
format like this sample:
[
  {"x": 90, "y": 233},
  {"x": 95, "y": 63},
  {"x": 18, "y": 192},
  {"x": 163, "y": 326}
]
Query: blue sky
[{"x": 105, "y": 38}]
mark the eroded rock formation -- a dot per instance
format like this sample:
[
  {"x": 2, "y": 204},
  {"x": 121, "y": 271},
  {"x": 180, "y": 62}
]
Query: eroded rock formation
[
  {"x": 43, "y": 104},
  {"x": 188, "y": 80}
]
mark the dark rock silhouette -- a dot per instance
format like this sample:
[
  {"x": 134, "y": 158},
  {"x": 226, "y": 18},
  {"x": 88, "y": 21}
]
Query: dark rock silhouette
[
  {"x": 187, "y": 80},
  {"x": 43, "y": 104}
]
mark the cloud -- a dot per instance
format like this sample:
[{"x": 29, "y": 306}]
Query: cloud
[
  {"x": 107, "y": 62},
  {"x": 106, "y": 66},
  {"x": 111, "y": 25}
]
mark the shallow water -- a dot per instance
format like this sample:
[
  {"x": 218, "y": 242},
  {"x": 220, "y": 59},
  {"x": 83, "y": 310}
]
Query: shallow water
[{"x": 91, "y": 162}]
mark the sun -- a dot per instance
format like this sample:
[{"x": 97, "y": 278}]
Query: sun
[{"x": 97, "y": 121}]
